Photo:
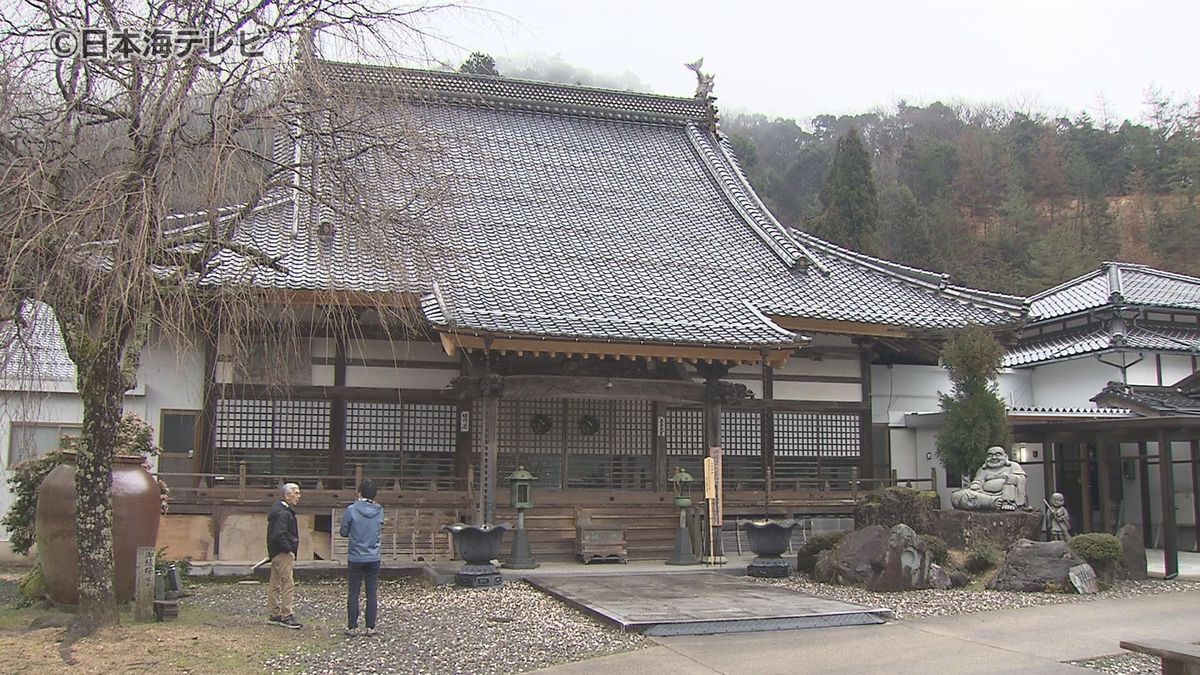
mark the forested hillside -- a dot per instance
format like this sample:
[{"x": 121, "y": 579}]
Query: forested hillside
[{"x": 999, "y": 199}]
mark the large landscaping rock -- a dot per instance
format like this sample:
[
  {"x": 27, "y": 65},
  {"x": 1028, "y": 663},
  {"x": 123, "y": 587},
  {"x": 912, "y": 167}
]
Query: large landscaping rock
[
  {"x": 1036, "y": 566},
  {"x": 905, "y": 563},
  {"x": 856, "y": 559},
  {"x": 891, "y": 506},
  {"x": 1133, "y": 552},
  {"x": 962, "y": 529},
  {"x": 879, "y": 559}
]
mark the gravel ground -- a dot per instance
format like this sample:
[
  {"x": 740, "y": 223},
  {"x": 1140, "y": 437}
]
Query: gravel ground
[
  {"x": 425, "y": 629},
  {"x": 917, "y": 604}
]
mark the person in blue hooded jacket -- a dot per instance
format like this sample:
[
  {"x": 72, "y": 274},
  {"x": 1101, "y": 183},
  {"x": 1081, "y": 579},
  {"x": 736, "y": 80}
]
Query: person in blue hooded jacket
[{"x": 361, "y": 524}]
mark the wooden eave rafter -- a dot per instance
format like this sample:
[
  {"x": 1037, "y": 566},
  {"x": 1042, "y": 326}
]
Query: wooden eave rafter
[{"x": 776, "y": 356}]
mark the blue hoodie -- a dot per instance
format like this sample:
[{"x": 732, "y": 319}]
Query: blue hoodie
[{"x": 361, "y": 523}]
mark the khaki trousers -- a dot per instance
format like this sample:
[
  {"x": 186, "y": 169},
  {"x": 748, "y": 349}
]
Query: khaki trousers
[{"x": 282, "y": 589}]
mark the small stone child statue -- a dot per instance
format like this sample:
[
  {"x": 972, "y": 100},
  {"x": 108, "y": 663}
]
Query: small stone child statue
[{"x": 1056, "y": 522}]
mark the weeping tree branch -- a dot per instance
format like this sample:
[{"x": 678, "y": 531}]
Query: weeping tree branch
[{"x": 98, "y": 156}]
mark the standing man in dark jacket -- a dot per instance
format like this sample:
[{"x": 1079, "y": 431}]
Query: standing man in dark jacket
[
  {"x": 361, "y": 523},
  {"x": 283, "y": 543}
]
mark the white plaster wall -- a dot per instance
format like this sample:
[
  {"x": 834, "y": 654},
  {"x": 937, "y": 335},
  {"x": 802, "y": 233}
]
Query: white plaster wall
[
  {"x": 403, "y": 378},
  {"x": 1073, "y": 383},
  {"x": 404, "y": 350},
  {"x": 829, "y": 367},
  {"x": 819, "y": 391},
  {"x": 1175, "y": 367},
  {"x": 898, "y": 390},
  {"x": 173, "y": 379}
]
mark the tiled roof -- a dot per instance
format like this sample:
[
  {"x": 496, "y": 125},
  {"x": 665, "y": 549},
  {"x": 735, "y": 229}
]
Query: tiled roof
[
  {"x": 562, "y": 211},
  {"x": 1144, "y": 336},
  {"x": 1117, "y": 283},
  {"x": 586, "y": 315},
  {"x": 502, "y": 92},
  {"x": 860, "y": 288},
  {"x": 1163, "y": 400},
  {"x": 36, "y": 351}
]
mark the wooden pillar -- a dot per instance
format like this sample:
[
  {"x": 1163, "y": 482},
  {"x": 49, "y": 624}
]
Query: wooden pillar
[
  {"x": 1048, "y": 484},
  {"x": 866, "y": 451},
  {"x": 1195, "y": 466},
  {"x": 204, "y": 460},
  {"x": 1085, "y": 487},
  {"x": 1144, "y": 494},
  {"x": 337, "y": 414},
  {"x": 712, "y": 439},
  {"x": 462, "y": 444},
  {"x": 1166, "y": 490},
  {"x": 462, "y": 438},
  {"x": 767, "y": 421},
  {"x": 1102, "y": 465},
  {"x": 487, "y": 463},
  {"x": 658, "y": 447}
]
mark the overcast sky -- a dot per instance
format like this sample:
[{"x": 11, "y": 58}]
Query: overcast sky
[{"x": 800, "y": 58}]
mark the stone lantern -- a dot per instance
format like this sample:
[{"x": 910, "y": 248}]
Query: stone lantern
[
  {"x": 521, "y": 497},
  {"x": 683, "y": 555}
]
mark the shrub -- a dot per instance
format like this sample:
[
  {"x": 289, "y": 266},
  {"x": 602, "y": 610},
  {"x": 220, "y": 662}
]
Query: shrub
[
  {"x": 33, "y": 587},
  {"x": 938, "y": 552},
  {"x": 25, "y": 480},
  {"x": 806, "y": 559},
  {"x": 1097, "y": 548},
  {"x": 182, "y": 565},
  {"x": 982, "y": 556}
]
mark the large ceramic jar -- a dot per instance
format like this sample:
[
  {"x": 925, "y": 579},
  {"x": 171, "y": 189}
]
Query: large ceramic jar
[{"x": 136, "y": 508}]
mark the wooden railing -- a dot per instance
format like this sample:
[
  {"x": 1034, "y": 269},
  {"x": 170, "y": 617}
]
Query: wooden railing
[{"x": 244, "y": 486}]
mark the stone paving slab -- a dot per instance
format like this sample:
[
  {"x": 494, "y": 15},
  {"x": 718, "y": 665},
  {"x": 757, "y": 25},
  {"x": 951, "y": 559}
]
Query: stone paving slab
[{"x": 700, "y": 604}]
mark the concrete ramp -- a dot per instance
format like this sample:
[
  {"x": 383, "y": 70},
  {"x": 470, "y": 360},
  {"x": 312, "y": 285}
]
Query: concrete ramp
[{"x": 700, "y": 604}]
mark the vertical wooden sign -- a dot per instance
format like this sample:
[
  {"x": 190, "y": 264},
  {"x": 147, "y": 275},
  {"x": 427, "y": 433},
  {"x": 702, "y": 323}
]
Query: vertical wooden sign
[{"x": 143, "y": 596}]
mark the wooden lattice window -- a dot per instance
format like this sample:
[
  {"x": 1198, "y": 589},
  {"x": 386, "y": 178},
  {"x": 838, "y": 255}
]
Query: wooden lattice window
[
  {"x": 603, "y": 444},
  {"x": 685, "y": 441},
  {"x": 413, "y": 441},
  {"x": 812, "y": 447},
  {"x": 807, "y": 434},
  {"x": 274, "y": 437}
]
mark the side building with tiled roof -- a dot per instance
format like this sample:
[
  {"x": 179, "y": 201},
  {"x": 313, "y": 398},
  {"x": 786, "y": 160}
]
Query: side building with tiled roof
[
  {"x": 598, "y": 297},
  {"x": 1102, "y": 374}
]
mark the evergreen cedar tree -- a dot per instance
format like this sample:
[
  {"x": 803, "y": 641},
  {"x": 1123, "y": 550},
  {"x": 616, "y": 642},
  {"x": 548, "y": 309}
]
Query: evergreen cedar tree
[
  {"x": 479, "y": 63},
  {"x": 849, "y": 198},
  {"x": 975, "y": 417}
]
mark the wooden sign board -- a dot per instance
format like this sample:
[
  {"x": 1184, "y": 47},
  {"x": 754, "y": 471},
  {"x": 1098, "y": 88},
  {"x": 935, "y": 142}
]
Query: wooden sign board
[
  {"x": 143, "y": 596},
  {"x": 714, "y": 455}
]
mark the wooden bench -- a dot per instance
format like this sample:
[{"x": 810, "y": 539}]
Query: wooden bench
[{"x": 1177, "y": 658}]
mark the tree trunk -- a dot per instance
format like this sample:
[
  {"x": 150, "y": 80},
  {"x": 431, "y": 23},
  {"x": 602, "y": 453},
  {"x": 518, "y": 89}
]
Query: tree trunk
[{"x": 102, "y": 389}]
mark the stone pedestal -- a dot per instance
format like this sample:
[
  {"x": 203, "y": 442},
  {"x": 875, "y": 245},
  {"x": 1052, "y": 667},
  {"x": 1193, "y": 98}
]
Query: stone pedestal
[
  {"x": 960, "y": 529},
  {"x": 769, "y": 539}
]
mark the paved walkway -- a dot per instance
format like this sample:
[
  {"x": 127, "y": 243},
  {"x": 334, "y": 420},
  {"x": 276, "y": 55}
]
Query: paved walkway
[
  {"x": 1033, "y": 640},
  {"x": 700, "y": 604}
]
